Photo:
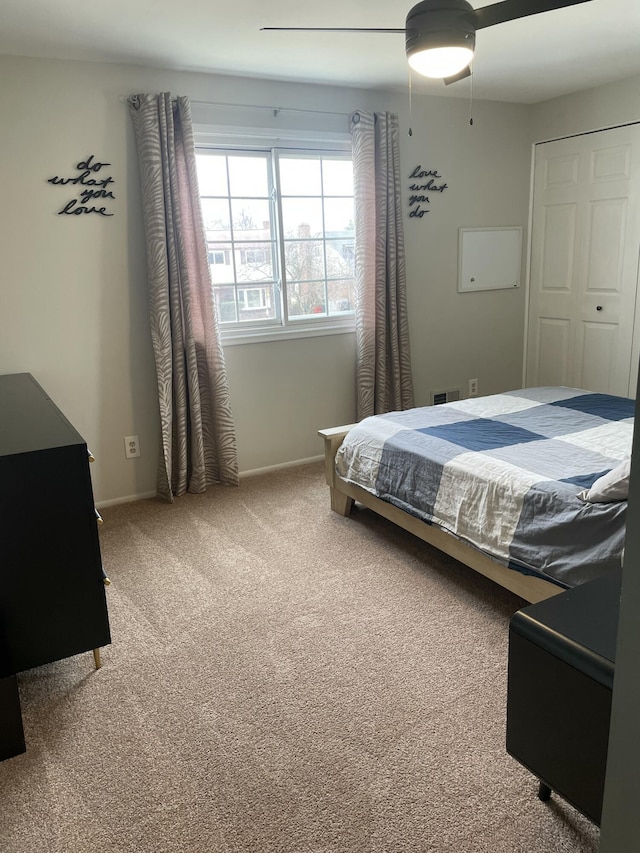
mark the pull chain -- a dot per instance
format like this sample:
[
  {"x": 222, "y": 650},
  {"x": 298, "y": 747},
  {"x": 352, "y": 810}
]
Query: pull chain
[
  {"x": 410, "y": 106},
  {"x": 471, "y": 100}
]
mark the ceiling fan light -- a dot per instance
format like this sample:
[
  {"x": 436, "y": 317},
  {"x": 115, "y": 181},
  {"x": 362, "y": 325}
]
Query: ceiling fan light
[{"x": 440, "y": 61}]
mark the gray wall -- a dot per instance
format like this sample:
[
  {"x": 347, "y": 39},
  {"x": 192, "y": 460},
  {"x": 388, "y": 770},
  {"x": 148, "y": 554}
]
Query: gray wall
[
  {"x": 73, "y": 304},
  {"x": 604, "y": 106},
  {"x": 459, "y": 336}
]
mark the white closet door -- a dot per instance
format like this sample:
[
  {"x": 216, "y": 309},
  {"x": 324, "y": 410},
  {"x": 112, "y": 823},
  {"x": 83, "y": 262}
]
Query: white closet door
[{"x": 584, "y": 262}]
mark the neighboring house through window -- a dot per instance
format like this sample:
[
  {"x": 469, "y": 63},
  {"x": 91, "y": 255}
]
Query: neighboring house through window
[{"x": 218, "y": 257}]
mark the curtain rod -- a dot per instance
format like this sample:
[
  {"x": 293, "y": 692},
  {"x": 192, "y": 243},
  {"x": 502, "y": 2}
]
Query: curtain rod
[{"x": 275, "y": 110}]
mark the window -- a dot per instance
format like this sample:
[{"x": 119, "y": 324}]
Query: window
[
  {"x": 218, "y": 257},
  {"x": 254, "y": 256},
  {"x": 280, "y": 236},
  {"x": 253, "y": 298}
]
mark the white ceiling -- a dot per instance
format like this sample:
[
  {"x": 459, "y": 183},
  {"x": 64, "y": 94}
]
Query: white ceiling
[{"x": 526, "y": 61}]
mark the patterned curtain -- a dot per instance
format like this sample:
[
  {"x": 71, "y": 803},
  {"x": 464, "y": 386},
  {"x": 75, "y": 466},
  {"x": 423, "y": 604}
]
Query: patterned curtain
[
  {"x": 198, "y": 444},
  {"x": 384, "y": 381}
]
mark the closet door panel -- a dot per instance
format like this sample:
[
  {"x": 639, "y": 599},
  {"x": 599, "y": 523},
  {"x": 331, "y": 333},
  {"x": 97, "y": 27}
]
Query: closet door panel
[
  {"x": 585, "y": 245},
  {"x": 552, "y": 344},
  {"x": 596, "y": 361}
]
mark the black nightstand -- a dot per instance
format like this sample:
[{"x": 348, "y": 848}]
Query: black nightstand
[{"x": 561, "y": 667}]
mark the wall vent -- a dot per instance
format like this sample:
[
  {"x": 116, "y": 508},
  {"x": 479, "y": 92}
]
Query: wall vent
[{"x": 439, "y": 397}]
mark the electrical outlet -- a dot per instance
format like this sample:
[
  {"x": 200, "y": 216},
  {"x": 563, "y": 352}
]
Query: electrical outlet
[
  {"x": 131, "y": 446},
  {"x": 473, "y": 387}
]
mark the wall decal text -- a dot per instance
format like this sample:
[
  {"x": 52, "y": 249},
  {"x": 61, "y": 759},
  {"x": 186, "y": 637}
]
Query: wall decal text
[
  {"x": 90, "y": 187},
  {"x": 423, "y": 181}
]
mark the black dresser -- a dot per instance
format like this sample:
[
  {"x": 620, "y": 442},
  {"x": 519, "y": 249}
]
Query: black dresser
[
  {"x": 11, "y": 731},
  {"x": 52, "y": 595},
  {"x": 561, "y": 668}
]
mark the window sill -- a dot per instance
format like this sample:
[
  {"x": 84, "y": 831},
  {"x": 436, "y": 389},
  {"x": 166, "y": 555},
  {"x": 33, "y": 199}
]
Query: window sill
[{"x": 288, "y": 333}]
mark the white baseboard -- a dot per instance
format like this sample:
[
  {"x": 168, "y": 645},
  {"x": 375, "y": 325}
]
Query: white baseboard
[
  {"x": 280, "y": 466},
  {"x": 255, "y": 471},
  {"x": 126, "y": 500}
]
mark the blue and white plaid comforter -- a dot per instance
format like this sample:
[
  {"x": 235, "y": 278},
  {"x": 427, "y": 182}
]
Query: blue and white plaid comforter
[{"x": 503, "y": 473}]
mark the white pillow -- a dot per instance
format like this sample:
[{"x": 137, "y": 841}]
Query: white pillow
[{"x": 612, "y": 486}]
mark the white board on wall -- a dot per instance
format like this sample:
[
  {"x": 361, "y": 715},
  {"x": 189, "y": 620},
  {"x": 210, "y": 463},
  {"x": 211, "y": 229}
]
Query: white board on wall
[{"x": 489, "y": 258}]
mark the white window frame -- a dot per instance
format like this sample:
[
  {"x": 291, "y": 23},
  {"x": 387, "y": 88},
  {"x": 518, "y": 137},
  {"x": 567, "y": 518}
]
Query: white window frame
[{"x": 249, "y": 139}]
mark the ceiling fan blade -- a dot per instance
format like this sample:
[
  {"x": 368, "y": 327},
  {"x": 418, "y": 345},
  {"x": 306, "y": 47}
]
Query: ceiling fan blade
[
  {"x": 510, "y": 10},
  {"x": 332, "y": 30},
  {"x": 466, "y": 72}
]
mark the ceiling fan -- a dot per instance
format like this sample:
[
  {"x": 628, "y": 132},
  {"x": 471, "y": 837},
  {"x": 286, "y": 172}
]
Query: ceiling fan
[{"x": 440, "y": 35}]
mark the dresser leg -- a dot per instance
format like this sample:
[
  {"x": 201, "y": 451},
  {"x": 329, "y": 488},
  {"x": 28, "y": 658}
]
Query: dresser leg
[
  {"x": 96, "y": 658},
  {"x": 544, "y": 792}
]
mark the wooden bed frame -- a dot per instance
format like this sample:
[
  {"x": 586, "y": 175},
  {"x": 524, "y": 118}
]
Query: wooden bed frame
[{"x": 343, "y": 494}]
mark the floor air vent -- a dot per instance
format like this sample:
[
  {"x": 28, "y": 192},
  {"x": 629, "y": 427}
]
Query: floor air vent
[{"x": 439, "y": 397}]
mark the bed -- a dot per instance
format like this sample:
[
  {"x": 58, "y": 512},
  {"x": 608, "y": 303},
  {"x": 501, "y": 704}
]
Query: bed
[{"x": 527, "y": 487}]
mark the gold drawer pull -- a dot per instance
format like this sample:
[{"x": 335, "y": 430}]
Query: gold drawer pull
[{"x": 92, "y": 458}]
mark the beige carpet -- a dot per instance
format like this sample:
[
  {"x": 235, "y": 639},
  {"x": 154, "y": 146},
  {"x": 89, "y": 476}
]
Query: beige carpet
[{"x": 280, "y": 679}]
